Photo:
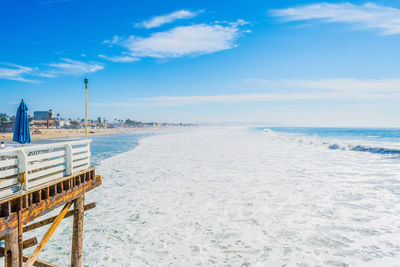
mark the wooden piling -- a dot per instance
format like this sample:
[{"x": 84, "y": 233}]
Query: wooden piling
[
  {"x": 11, "y": 249},
  {"x": 77, "y": 234}
]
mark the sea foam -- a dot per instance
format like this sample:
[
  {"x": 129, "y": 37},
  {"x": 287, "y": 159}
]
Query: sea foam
[{"x": 232, "y": 197}]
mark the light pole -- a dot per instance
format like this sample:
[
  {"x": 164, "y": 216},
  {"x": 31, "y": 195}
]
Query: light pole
[{"x": 86, "y": 82}]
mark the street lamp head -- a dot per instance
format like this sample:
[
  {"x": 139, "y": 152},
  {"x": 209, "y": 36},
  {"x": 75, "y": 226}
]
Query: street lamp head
[{"x": 86, "y": 81}]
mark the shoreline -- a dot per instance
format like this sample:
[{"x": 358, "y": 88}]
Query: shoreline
[{"x": 74, "y": 133}]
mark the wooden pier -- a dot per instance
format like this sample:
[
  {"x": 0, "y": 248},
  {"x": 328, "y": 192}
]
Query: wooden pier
[{"x": 35, "y": 180}]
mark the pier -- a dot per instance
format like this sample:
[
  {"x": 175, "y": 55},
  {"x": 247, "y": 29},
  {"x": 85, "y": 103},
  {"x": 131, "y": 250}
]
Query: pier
[{"x": 35, "y": 180}]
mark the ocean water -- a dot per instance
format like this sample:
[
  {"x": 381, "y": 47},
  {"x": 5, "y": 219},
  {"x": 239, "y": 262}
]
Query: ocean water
[{"x": 234, "y": 196}]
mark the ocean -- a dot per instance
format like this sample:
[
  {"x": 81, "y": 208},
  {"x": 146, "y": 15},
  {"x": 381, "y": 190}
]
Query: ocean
[{"x": 239, "y": 196}]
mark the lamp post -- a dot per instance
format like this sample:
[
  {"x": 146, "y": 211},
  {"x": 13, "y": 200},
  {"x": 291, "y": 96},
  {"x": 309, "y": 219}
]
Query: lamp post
[{"x": 86, "y": 82}]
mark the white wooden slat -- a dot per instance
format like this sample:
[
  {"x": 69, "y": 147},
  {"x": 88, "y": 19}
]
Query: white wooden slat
[
  {"x": 8, "y": 182},
  {"x": 81, "y": 162},
  {"x": 10, "y": 172},
  {"x": 8, "y": 191},
  {"x": 46, "y": 172},
  {"x": 79, "y": 150},
  {"x": 81, "y": 156},
  {"x": 31, "y": 148},
  {"x": 81, "y": 168},
  {"x": 9, "y": 152},
  {"x": 46, "y": 179},
  {"x": 47, "y": 155},
  {"x": 45, "y": 164},
  {"x": 51, "y": 158},
  {"x": 8, "y": 163}
]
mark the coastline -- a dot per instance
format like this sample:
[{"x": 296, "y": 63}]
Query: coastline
[{"x": 74, "y": 133}]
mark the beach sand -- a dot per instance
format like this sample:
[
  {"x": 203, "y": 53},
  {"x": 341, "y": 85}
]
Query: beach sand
[{"x": 73, "y": 133}]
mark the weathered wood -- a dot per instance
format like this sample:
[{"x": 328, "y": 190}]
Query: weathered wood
[
  {"x": 20, "y": 241},
  {"x": 77, "y": 232},
  {"x": 47, "y": 235},
  {"x": 47, "y": 205},
  {"x": 35, "y": 189},
  {"x": 11, "y": 258},
  {"x": 30, "y": 242},
  {"x": 39, "y": 263},
  {"x": 51, "y": 219}
]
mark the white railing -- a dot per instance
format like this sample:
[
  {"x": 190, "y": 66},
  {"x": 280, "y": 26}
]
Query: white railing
[{"x": 27, "y": 167}]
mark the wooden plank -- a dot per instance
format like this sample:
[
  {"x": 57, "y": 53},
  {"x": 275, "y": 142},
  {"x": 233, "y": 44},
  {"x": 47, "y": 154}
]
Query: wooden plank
[
  {"x": 9, "y": 172},
  {"x": 8, "y": 182},
  {"x": 30, "y": 242},
  {"x": 46, "y": 172},
  {"x": 9, "y": 191},
  {"x": 81, "y": 156},
  {"x": 47, "y": 205},
  {"x": 47, "y": 235},
  {"x": 51, "y": 219},
  {"x": 39, "y": 263},
  {"x": 79, "y": 150},
  {"x": 43, "y": 156},
  {"x": 47, "y": 163},
  {"x": 45, "y": 179},
  {"x": 47, "y": 221},
  {"x": 83, "y": 167},
  {"x": 81, "y": 162},
  {"x": 11, "y": 258},
  {"x": 8, "y": 163},
  {"x": 34, "y": 148}
]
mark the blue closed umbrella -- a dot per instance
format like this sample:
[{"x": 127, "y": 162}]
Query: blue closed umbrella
[{"x": 21, "y": 127}]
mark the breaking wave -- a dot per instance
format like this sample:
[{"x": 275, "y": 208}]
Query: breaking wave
[{"x": 335, "y": 145}]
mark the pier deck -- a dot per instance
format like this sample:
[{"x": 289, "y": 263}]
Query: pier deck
[{"x": 35, "y": 180}]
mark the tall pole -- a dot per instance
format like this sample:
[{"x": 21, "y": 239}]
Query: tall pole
[{"x": 86, "y": 82}]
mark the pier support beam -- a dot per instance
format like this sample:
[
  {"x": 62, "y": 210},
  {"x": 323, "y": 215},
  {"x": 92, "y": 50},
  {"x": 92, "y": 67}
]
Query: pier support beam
[
  {"x": 77, "y": 235},
  {"x": 11, "y": 249}
]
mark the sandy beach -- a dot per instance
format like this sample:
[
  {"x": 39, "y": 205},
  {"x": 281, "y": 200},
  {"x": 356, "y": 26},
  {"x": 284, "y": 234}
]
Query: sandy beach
[{"x": 73, "y": 133}]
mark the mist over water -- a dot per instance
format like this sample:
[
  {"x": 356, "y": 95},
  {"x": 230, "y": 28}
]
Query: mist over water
[{"x": 233, "y": 196}]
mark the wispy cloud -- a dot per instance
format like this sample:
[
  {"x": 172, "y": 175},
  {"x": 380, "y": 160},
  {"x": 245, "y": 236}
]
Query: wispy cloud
[
  {"x": 15, "y": 72},
  {"x": 343, "y": 89},
  {"x": 335, "y": 85},
  {"x": 158, "y": 21},
  {"x": 70, "y": 67},
  {"x": 121, "y": 59},
  {"x": 368, "y": 16},
  {"x": 184, "y": 40}
]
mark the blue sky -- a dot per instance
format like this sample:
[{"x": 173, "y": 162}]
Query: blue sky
[{"x": 307, "y": 63}]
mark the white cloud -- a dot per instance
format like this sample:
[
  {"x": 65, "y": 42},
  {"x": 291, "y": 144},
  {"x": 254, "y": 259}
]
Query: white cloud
[
  {"x": 14, "y": 72},
  {"x": 368, "y": 16},
  {"x": 70, "y": 67},
  {"x": 158, "y": 21},
  {"x": 121, "y": 59},
  {"x": 114, "y": 40},
  {"x": 184, "y": 40},
  {"x": 334, "y": 89}
]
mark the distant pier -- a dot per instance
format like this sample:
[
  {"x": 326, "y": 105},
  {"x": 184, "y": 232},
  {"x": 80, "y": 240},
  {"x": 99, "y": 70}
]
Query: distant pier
[{"x": 35, "y": 180}]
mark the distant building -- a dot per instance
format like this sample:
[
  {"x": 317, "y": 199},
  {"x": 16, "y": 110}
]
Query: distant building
[
  {"x": 43, "y": 115},
  {"x": 7, "y": 127},
  {"x": 42, "y": 124}
]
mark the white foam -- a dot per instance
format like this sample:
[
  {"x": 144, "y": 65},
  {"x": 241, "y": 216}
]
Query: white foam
[{"x": 230, "y": 196}]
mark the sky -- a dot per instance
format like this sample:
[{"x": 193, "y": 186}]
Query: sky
[{"x": 289, "y": 63}]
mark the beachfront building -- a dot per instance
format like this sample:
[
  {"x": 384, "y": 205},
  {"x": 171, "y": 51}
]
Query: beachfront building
[
  {"x": 42, "y": 124},
  {"x": 6, "y": 126}
]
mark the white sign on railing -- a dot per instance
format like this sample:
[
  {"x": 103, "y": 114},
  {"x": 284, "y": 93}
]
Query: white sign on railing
[{"x": 28, "y": 167}]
